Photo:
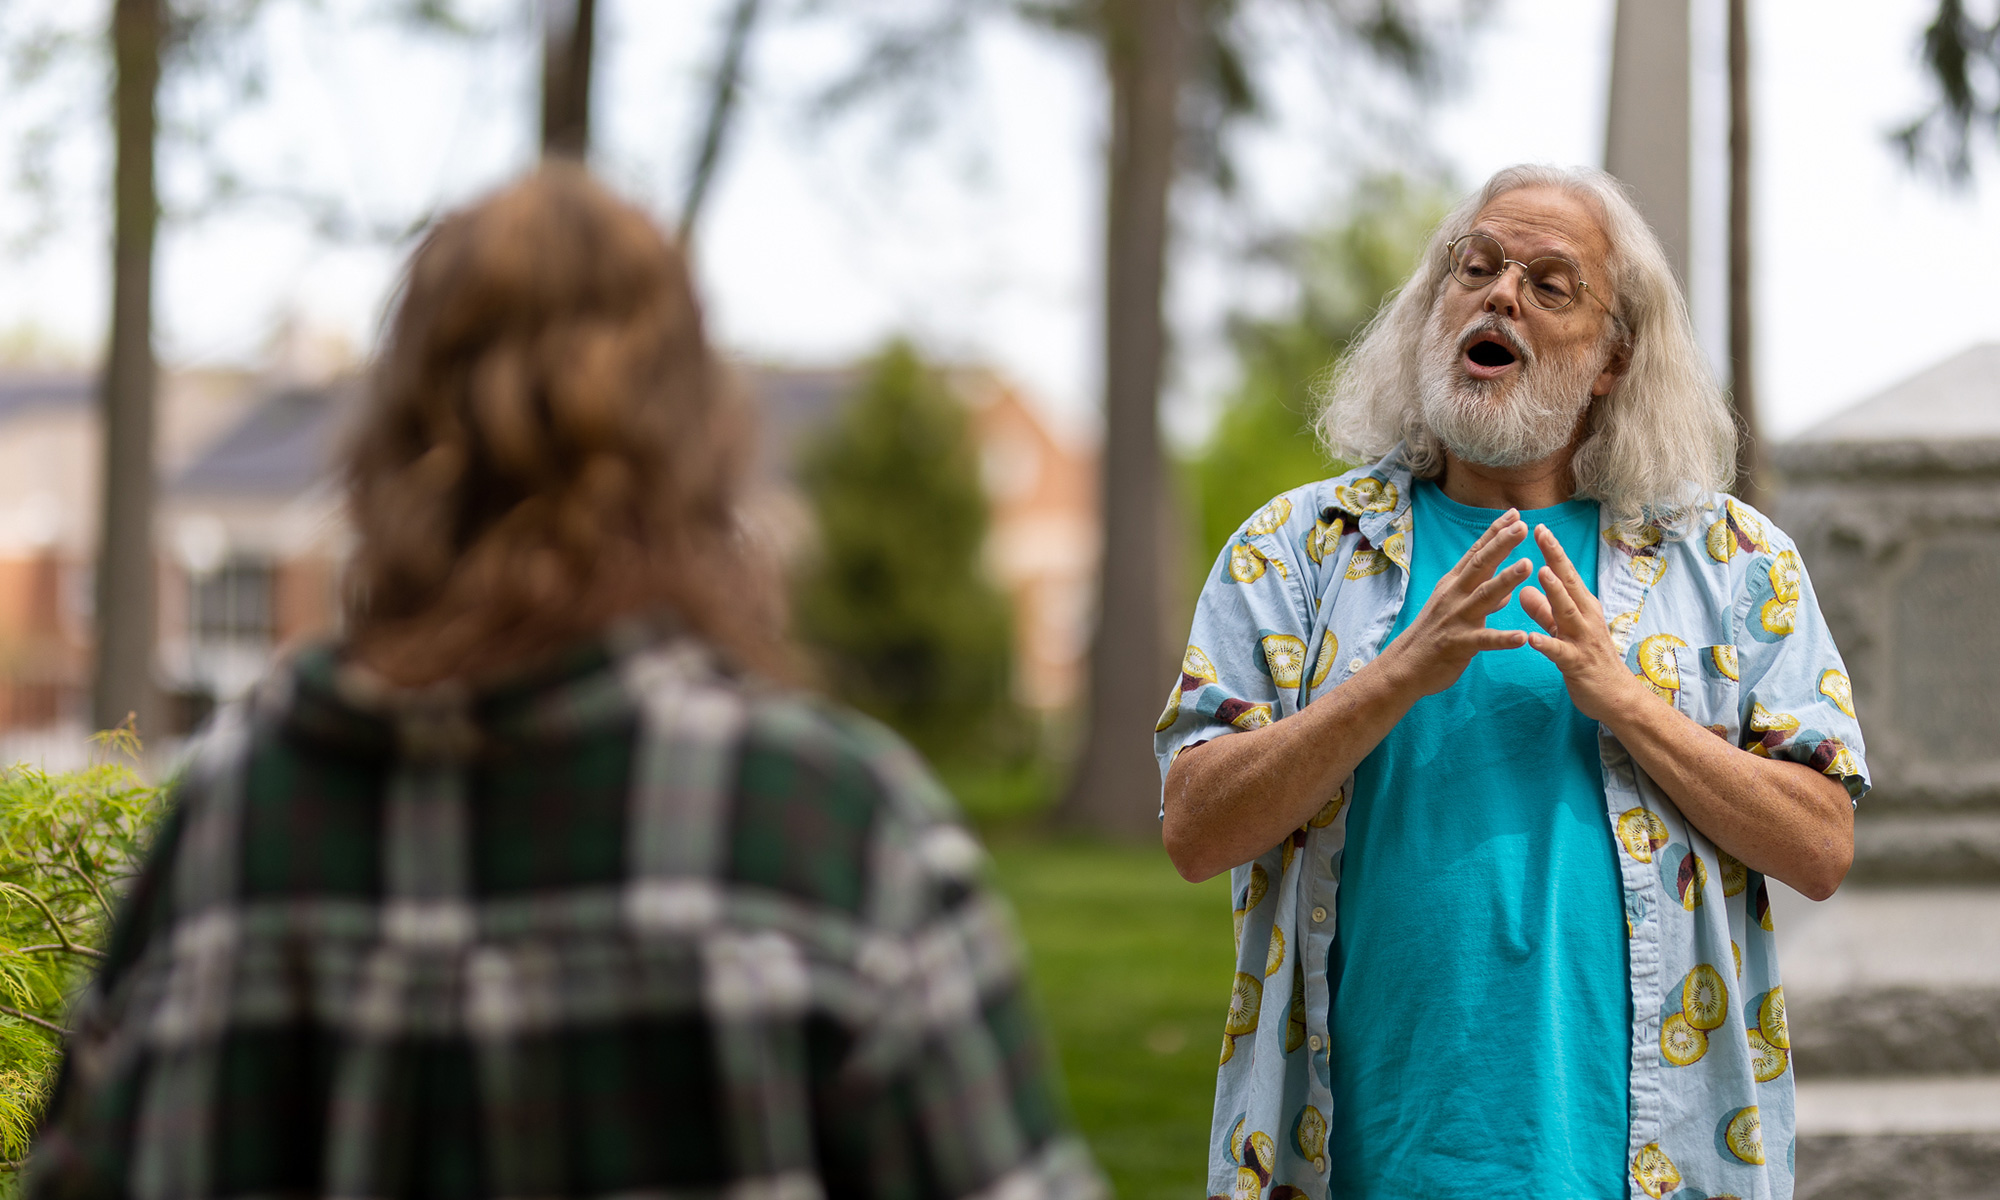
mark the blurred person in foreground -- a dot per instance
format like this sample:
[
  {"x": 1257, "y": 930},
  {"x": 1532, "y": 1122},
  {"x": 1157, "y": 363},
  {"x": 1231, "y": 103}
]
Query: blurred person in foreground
[
  {"x": 532, "y": 884},
  {"x": 1500, "y": 735}
]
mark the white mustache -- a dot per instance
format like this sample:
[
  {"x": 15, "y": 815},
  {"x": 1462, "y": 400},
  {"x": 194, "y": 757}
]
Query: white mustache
[
  {"x": 1508, "y": 422},
  {"x": 1500, "y": 327}
]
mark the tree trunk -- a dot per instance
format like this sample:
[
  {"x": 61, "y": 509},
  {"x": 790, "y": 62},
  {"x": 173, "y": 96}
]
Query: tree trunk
[
  {"x": 1742, "y": 378},
  {"x": 1115, "y": 789},
  {"x": 724, "y": 88},
  {"x": 123, "y": 683},
  {"x": 568, "y": 35}
]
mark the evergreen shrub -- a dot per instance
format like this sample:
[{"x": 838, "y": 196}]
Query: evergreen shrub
[{"x": 895, "y": 603}]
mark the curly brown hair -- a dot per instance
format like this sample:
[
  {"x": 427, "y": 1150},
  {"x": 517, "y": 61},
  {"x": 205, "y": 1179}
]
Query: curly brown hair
[{"x": 549, "y": 446}]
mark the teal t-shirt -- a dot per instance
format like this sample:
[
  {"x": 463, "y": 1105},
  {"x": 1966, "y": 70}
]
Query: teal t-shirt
[{"x": 1480, "y": 1023}]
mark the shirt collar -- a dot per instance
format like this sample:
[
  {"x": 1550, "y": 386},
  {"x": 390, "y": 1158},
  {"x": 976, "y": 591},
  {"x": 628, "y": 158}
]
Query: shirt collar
[{"x": 1378, "y": 511}]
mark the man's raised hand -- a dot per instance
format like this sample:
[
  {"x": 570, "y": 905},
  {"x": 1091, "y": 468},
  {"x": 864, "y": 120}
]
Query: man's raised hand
[
  {"x": 1437, "y": 647},
  {"x": 1577, "y": 640}
]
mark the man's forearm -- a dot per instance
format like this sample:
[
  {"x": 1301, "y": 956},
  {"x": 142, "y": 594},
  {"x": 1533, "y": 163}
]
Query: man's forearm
[
  {"x": 1782, "y": 819},
  {"x": 1234, "y": 798},
  {"x": 1230, "y": 800}
]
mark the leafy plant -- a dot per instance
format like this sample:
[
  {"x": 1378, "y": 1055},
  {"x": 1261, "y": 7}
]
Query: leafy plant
[
  {"x": 68, "y": 844},
  {"x": 896, "y": 604}
]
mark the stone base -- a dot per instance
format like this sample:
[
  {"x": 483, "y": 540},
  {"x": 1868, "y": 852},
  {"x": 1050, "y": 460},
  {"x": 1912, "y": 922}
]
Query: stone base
[
  {"x": 1896, "y": 1031},
  {"x": 1899, "y": 1167},
  {"x": 1893, "y": 998},
  {"x": 1925, "y": 848},
  {"x": 1876, "y": 940}
]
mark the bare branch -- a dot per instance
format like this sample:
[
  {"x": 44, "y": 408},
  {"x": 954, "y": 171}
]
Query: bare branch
[
  {"x": 724, "y": 87},
  {"x": 86, "y": 951},
  {"x": 907, "y": 60},
  {"x": 31, "y": 1018},
  {"x": 438, "y": 16}
]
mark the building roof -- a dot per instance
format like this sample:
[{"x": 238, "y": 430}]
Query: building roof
[
  {"x": 283, "y": 446},
  {"x": 286, "y": 443},
  {"x": 1957, "y": 399},
  {"x": 23, "y": 392},
  {"x": 1941, "y": 423},
  {"x": 792, "y": 405}
]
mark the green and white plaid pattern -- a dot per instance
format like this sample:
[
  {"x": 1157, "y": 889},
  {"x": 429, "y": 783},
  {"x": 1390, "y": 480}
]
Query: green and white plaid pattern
[{"x": 635, "y": 927}]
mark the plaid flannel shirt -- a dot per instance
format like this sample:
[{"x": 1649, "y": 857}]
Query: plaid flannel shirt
[{"x": 633, "y": 927}]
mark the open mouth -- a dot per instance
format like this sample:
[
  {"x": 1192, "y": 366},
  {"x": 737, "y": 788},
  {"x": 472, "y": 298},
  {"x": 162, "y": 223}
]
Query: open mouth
[{"x": 1489, "y": 353}]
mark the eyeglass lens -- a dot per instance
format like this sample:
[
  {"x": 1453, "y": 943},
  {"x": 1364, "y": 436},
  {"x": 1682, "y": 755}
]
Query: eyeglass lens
[{"x": 1477, "y": 260}]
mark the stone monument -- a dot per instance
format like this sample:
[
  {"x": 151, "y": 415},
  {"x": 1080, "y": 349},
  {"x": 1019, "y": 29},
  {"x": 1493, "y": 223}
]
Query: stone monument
[
  {"x": 1893, "y": 985},
  {"x": 1646, "y": 125}
]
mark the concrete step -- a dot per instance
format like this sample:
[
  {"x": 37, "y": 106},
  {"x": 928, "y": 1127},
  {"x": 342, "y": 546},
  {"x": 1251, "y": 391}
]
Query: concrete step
[
  {"x": 1868, "y": 938},
  {"x": 1893, "y": 1000},
  {"x": 1902, "y": 846},
  {"x": 1907, "y": 1138},
  {"x": 1900, "y": 1106},
  {"x": 1895, "y": 1031},
  {"x": 1885, "y": 981},
  {"x": 1899, "y": 1167}
]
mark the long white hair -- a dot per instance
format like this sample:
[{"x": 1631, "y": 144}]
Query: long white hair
[{"x": 1654, "y": 447}]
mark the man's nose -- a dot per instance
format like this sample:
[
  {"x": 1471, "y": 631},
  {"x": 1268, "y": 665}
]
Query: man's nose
[{"x": 1504, "y": 297}]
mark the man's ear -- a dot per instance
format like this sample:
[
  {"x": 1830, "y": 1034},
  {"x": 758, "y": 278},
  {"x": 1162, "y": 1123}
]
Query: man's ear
[{"x": 1614, "y": 369}]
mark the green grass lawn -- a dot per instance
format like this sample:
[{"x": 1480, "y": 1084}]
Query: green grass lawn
[{"x": 1132, "y": 965}]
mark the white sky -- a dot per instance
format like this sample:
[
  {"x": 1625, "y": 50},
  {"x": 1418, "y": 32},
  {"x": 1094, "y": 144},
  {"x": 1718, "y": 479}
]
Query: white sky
[{"x": 819, "y": 243}]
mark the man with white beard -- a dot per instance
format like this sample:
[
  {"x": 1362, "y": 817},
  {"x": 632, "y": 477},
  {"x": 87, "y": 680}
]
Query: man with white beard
[{"x": 1499, "y": 736}]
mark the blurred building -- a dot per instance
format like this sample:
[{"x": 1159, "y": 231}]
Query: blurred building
[
  {"x": 1893, "y": 985},
  {"x": 49, "y": 470},
  {"x": 251, "y": 541},
  {"x": 1043, "y": 545},
  {"x": 251, "y": 536}
]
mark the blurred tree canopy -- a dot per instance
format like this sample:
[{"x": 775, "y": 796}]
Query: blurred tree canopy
[
  {"x": 896, "y": 606},
  {"x": 1962, "y": 55},
  {"x": 1184, "y": 78},
  {"x": 1263, "y": 442}
]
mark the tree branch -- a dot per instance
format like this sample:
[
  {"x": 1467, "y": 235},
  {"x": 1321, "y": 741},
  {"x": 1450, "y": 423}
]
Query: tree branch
[
  {"x": 51, "y": 1026},
  {"x": 84, "y": 950},
  {"x": 723, "y": 91},
  {"x": 103, "y": 905},
  {"x": 62, "y": 935}
]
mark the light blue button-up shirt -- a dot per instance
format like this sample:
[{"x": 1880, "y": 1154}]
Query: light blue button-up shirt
[{"x": 1719, "y": 619}]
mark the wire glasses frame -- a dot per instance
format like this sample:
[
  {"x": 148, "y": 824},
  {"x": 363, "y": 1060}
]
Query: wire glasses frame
[{"x": 1478, "y": 261}]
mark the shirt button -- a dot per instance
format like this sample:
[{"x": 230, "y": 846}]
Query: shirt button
[
  {"x": 1319, "y": 1164},
  {"x": 1353, "y": 665},
  {"x": 1319, "y": 914},
  {"x": 1313, "y": 1042}
]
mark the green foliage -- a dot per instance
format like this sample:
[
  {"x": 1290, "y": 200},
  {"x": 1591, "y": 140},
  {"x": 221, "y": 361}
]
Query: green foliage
[
  {"x": 1962, "y": 56},
  {"x": 68, "y": 843},
  {"x": 1132, "y": 966},
  {"x": 1263, "y": 443},
  {"x": 1003, "y": 798},
  {"x": 897, "y": 605}
]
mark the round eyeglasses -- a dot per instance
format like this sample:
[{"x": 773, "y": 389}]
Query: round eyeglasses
[{"x": 1553, "y": 282}]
